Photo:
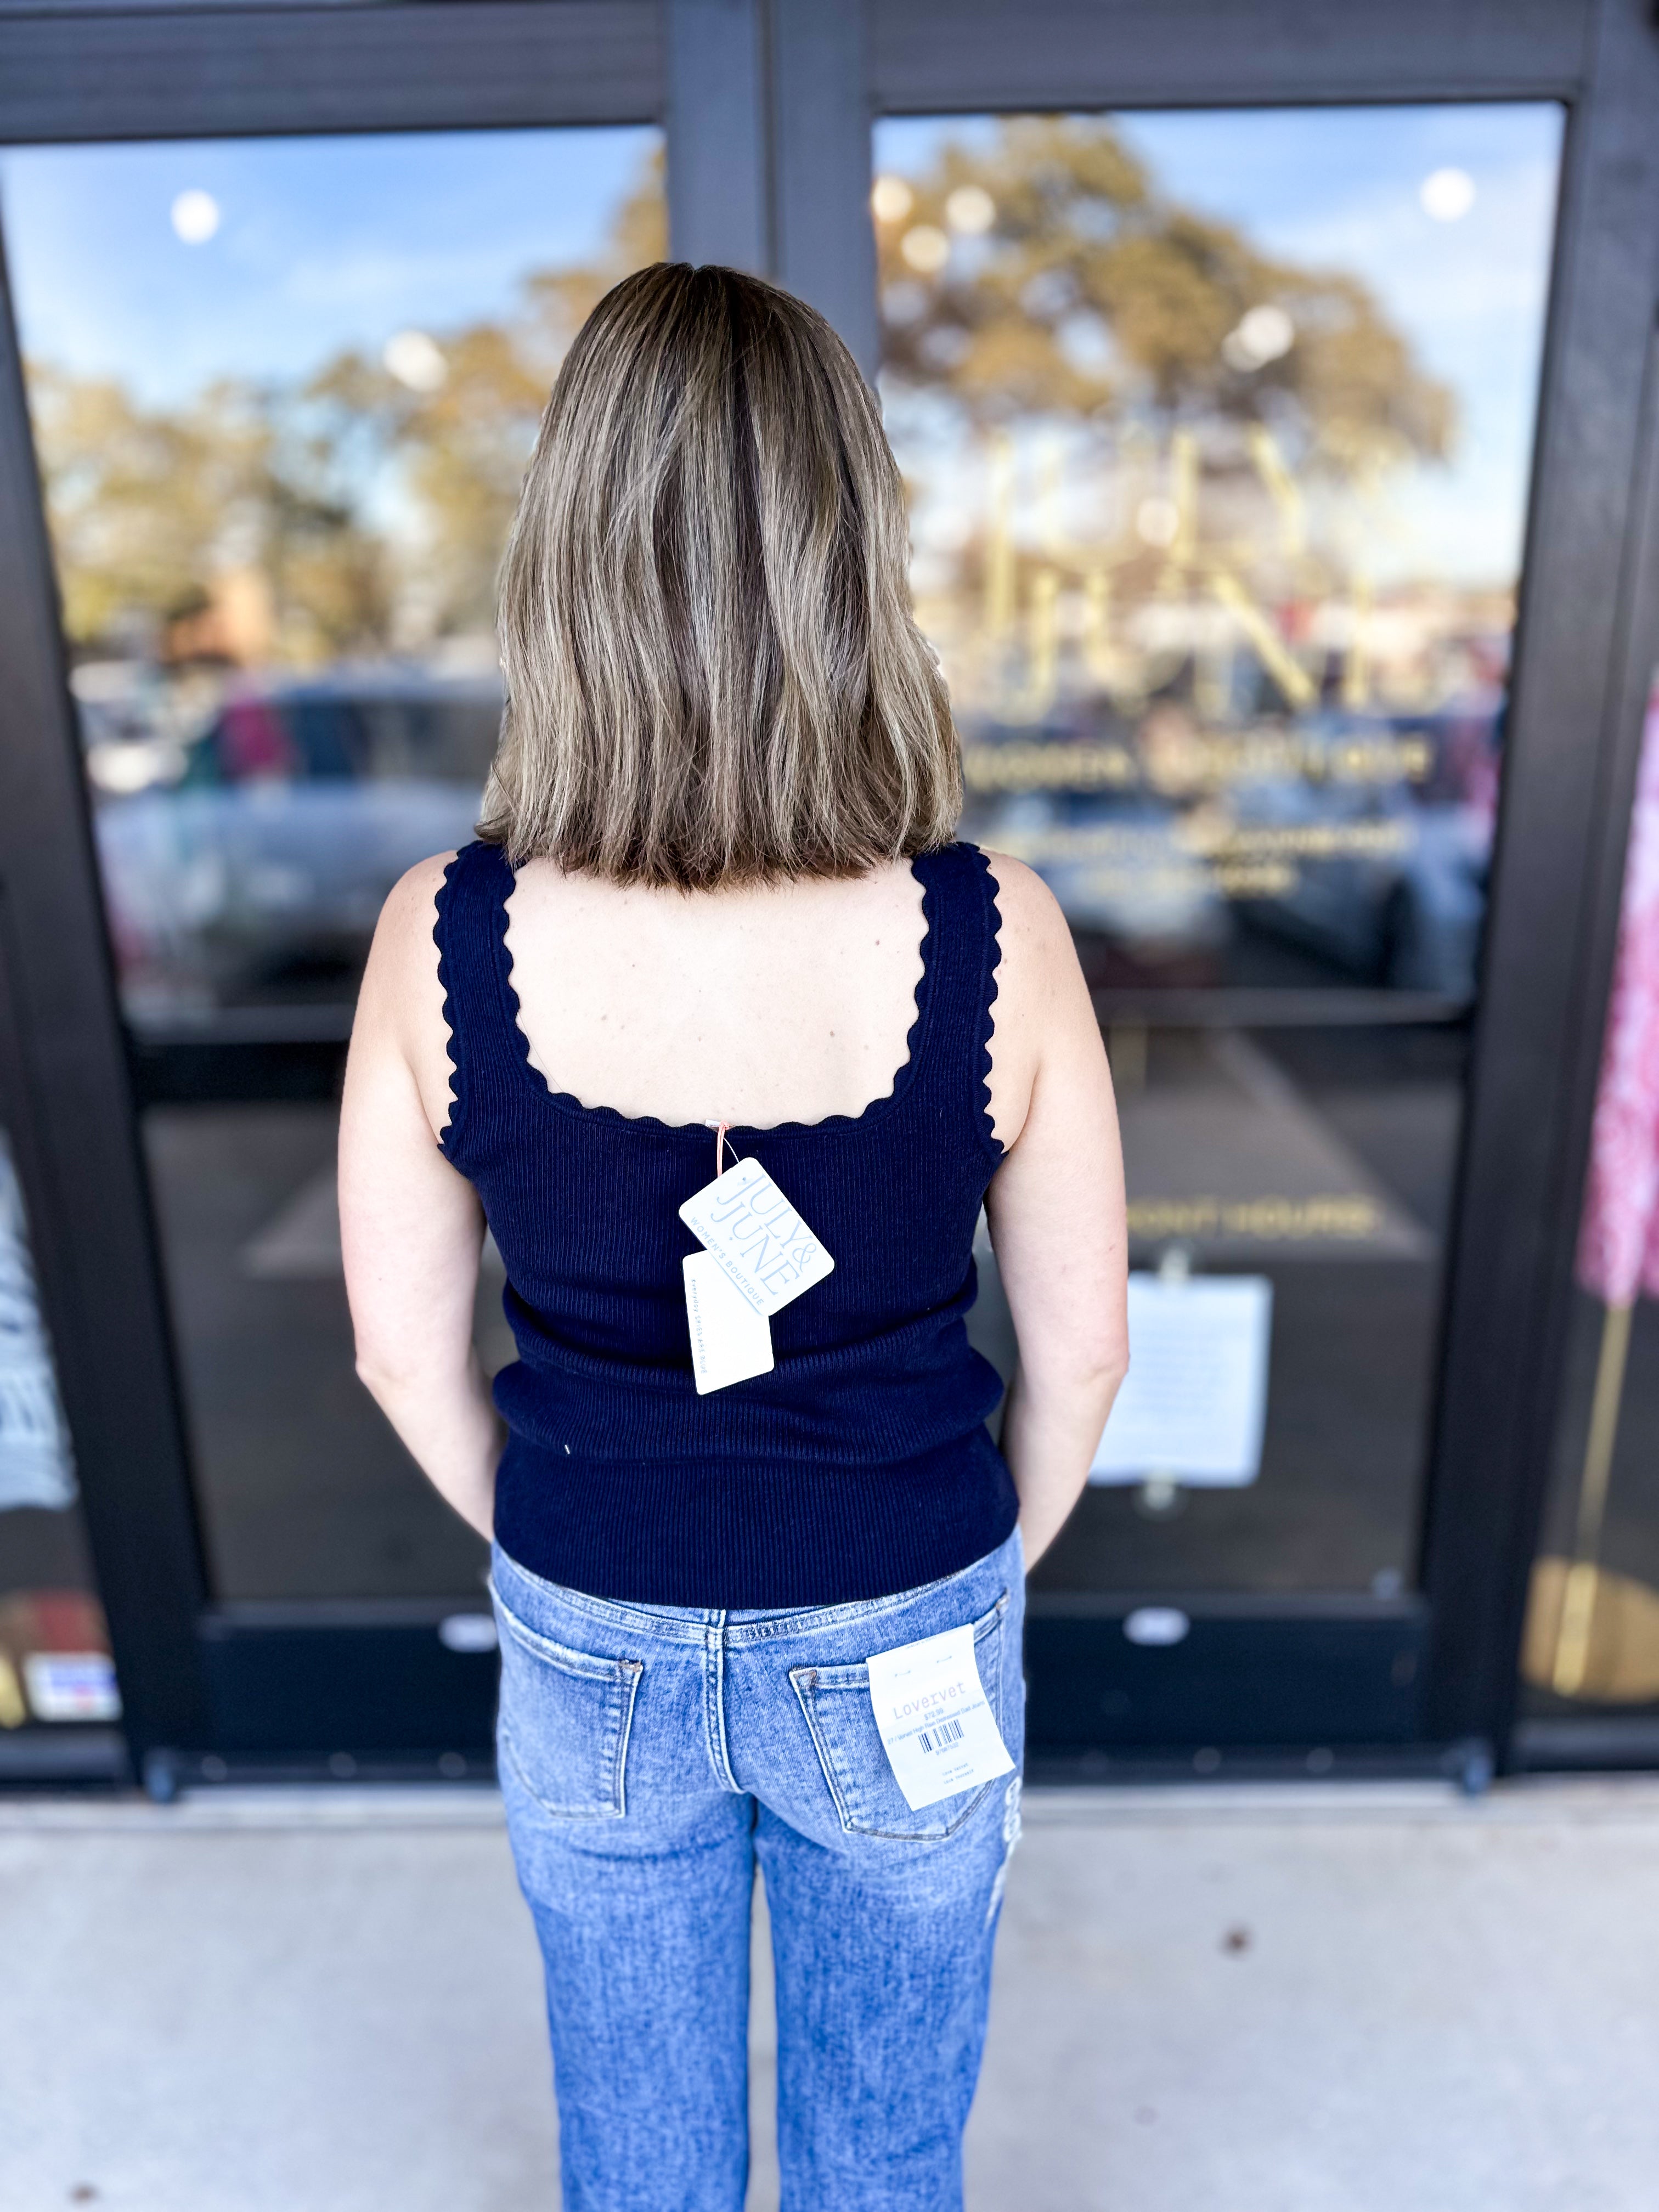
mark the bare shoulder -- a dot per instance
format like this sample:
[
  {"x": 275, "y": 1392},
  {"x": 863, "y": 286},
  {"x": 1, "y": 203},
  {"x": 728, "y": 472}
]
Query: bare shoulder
[
  {"x": 411, "y": 904},
  {"x": 403, "y": 950},
  {"x": 1040, "y": 990},
  {"x": 1046, "y": 1043},
  {"x": 400, "y": 1014},
  {"x": 1037, "y": 953},
  {"x": 402, "y": 975}
]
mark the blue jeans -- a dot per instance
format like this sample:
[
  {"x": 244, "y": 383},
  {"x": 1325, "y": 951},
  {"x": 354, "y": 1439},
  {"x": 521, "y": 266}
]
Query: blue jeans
[{"x": 649, "y": 1756}]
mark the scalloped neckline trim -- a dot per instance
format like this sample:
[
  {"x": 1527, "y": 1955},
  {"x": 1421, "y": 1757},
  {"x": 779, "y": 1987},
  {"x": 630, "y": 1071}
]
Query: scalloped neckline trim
[{"x": 566, "y": 1102}]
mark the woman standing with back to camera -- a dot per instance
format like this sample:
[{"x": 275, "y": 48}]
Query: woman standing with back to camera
[{"x": 703, "y": 1028}]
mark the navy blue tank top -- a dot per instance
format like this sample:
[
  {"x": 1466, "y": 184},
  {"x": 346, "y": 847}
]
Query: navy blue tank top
[{"x": 861, "y": 1465}]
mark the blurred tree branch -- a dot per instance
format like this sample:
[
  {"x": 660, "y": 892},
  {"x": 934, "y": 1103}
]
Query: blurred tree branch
[
  {"x": 1043, "y": 273},
  {"x": 374, "y": 507}
]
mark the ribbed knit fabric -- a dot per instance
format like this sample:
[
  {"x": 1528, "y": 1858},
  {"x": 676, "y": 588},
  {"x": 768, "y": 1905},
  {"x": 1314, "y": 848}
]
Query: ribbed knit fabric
[{"x": 861, "y": 1465}]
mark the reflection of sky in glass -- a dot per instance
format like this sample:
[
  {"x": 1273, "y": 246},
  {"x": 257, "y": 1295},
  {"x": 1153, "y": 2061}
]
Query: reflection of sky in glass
[
  {"x": 322, "y": 243},
  {"x": 206, "y": 284},
  {"x": 1339, "y": 188}
]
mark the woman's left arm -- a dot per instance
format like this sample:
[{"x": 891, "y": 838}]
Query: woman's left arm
[{"x": 411, "y": 1228}]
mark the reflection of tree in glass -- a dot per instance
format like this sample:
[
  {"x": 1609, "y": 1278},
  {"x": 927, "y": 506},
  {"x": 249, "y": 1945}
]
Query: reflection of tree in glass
[
  {"x": 351, "y": 511},
  {"x": 1043, "y": 273}
]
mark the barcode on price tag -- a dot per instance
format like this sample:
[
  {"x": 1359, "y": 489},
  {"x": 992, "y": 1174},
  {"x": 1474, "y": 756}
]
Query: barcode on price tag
[
  {"x": 947, "y": 1732},
  {"x": 940, "y": 1734}
]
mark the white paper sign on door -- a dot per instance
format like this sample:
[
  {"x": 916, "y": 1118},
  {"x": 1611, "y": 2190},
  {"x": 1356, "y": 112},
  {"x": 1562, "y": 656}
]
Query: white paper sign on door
[{"x": 1194, "y": 1403}]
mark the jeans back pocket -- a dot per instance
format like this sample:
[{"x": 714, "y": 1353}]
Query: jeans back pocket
[
  {"x": 836, "y": 1701},
  {"x": 564, "y": 1721}
]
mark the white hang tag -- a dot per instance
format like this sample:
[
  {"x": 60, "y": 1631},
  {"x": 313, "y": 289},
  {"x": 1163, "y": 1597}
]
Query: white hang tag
[
  {"x": 730, "y": 1341},
  {"x": 750, "y": 1227},
  {"x": 941, "y": 1735}
]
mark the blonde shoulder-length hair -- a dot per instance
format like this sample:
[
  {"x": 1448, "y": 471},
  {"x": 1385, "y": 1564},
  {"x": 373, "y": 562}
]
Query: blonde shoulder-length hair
[{"x": 713, "y": 672}]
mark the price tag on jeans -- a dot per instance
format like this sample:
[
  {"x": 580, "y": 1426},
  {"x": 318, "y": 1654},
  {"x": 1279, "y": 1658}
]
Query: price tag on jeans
[
  {"x": 730, "y": 1341},
  {"x": 763, "y": 1247},
  {"x": 940, "y": 1733}
]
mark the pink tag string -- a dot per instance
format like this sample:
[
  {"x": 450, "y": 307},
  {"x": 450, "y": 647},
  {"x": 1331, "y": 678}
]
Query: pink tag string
[{"x": 721, "y": 1149}]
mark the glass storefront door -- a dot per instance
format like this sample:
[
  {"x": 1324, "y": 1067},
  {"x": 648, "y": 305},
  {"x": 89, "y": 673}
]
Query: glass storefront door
[
  {"x": 283, "y": 392},
  {"x": 1218, "y": 426},
  {"x": 1218, "y": 430}
]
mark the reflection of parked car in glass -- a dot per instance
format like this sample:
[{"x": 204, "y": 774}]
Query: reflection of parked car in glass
[
  {"x": 1403, "y": 905},
  {"x": 1360, "y": 840},
  {"x": 1146, "y": 910},
  {"x": 257, "y": 873}
]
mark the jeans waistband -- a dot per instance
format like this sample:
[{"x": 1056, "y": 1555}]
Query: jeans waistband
[{"x": 690, "y": 1624}]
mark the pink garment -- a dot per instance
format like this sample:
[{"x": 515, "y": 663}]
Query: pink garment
[
  {"x": 255, "y": 743},
  {"x": 1619, "y": 1235}
]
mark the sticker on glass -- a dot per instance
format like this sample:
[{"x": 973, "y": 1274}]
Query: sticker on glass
[{"x": 71, "y": 1685}]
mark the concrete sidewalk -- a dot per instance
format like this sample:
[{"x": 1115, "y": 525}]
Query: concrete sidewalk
[{"x": 1352, "y": 1999}]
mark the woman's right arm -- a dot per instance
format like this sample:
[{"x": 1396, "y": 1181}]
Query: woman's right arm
[{"x": 1055, "y": 1207}]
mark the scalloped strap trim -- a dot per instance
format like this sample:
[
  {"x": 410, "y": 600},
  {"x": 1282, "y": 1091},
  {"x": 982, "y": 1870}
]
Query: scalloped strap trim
[
  {"x": 441, "y": 939},
  {"x": 907, "y": 1076},
  {"x": 988, "y": 1006},
  {"x": 517, "y": 1042}
]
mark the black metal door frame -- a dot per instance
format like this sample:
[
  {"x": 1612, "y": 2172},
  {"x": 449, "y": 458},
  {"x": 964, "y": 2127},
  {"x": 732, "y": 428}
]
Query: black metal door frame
[{"x": 769, "y": 105}]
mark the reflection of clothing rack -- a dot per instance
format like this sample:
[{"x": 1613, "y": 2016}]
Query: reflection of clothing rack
[
  {"x": 1572, "y": 1634},
  {"x": 1592, "y": 1631},
  {"x": 1618, "y": 1236},
  {"x": 1166, "y": 524}
]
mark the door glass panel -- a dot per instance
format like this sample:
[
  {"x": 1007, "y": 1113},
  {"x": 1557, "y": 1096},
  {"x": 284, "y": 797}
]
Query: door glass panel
[
  {"x": 1216, "y": 429},
  {"x": 283, "y": 392},
  {"x": 1592, "y": 1634},
  {"x": 55, "y": 1665}
]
